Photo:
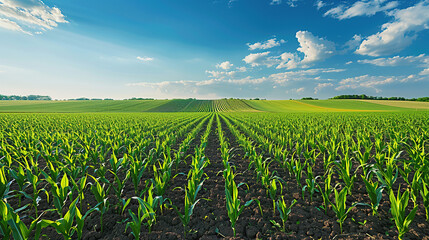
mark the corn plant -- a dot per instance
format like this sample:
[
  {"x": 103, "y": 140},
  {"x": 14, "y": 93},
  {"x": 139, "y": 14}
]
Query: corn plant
[
  {"x": 424, "y": 192},
  {"x": 80, "y": 187},
  {"x": 340, "y": 207},
  {"x": 80, "y": 220},
  {"x": 344, "y": 169},
  {"x": 188, "y": 209},
  {"x": 34, "y": 181},
  {"x": 275, "y": 186},
  {"x": 284, "y": 211},
  {"x": 100, "y": 195},
  {"x": 398, "y": 209},
  {"x": 326, "y": 190},
  {"x": 146, "y": 210},
  {"x": 311, "y": 183},
  {"x": 386, "y": 175},
  {"x": 136, "y": 170},
  {"x": 11, "y": 224},
  {"x": 64, "y": 226},
  {"x": 375, "y": 193},
  {"x": 297, "y": 168},
  {"x": 160, "y": 180},
  {"x": 4, "y": 184},
  {"x": 234, "y": 206},
  {"x": 21, "y": 179},
  {"x": 119, "y": 186},
  {"x": 60, "y": 192}
]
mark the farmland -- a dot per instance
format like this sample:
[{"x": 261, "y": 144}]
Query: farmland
[
  {"x": 206, "y": 169},
  {"x": 220, "y": 105}
]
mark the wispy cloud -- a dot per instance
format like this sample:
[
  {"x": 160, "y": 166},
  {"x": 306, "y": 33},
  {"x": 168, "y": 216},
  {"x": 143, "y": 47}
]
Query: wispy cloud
[
  {"x": 10, "y": 25},
  {"x": 373, "y": 82},
  {"x": 421, "y": 59},
  {"x": 361, "y": 8},
  {"x": 320, "y": 86},
  {"x": 145, "y": 59},
  {"x": 31, "y": 13},
  {"x": 266, "y": 45}
]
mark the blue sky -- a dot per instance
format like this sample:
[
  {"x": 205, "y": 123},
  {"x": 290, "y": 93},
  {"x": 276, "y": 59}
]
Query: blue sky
[{"x": 274, "y": 49}]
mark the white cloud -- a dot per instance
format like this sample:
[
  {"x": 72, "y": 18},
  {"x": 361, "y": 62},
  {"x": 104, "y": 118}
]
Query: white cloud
[
  {"x": 32, "y": 13},
  {"x": 300, "y": 90},
  {"x": 291, "y": 3},
  {"x": 425, "y": 72},
  {"x": 225, "y": 65},
  {"x": 302, "y": 75},
  {"x": 241, "y": 69},
  {"x": 372, "y": 82},
  {"x": 313, "y": 48},
  {"x": 257, "y": 59},
  {"x": 221, "y": 74},
  {"x": 266, "y": 45},
  {"x": 398, "y": 34},
  {"x": 320, "y": 4},
  {"x": 320, "y": 86},
  {"x": 397, "y": 60},
  {"x": 9, "y": 25},
  {"x": 349, "y": 62},
  {"x": 361, "y": 8},
  {"x": 145, "y": 59}
]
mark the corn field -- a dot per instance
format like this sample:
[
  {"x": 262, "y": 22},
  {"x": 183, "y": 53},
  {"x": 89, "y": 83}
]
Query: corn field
[{"x": 358, "y": 175}]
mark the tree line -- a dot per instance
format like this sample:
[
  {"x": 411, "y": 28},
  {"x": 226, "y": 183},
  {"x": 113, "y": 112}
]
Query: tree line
[
  {"x": 29, "y": 97},
  {"x": 363, "y": 96}
]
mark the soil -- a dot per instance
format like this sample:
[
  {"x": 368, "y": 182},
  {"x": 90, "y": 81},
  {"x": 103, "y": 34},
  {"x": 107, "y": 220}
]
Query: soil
[{"x": 210, "y": 220}]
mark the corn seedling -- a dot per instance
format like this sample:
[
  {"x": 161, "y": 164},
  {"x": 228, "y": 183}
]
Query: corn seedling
[
  {"x": 375, "y": 193},
  {"x": 399, "y": 205},
  {"x": 284, "y": 211}
]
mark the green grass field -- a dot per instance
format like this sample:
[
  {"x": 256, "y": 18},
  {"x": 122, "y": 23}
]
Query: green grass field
[{"x": 220, "y": 105}]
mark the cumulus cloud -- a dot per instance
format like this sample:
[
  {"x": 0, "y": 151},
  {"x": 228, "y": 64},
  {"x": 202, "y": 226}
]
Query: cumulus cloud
[
  {"x": 313, "y": 48},
  {"x": 397, "y": 60},
  {"x": 361, "y": 8},
  {"x": 225, "y": 65},
  {"x": 257, "y": 59},
  {"x": 399, "y": 33},
  {"x": 300, "y": 90},
  {"x": 145, "y": 59},
  {"x": 320, "y": 86},
  {"x": 32, "y": 13},
  {"x": 266, "y": 45}
]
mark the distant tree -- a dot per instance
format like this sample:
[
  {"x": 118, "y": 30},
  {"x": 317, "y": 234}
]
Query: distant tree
[{"x": 309, "y": 98}]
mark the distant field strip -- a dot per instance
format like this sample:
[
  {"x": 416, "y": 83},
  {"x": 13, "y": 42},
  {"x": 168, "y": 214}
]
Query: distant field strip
[
  {"x": 350, "y": 105},
  {"x": 402, "y": 104},
  {"x": 220, "y": 105}
]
